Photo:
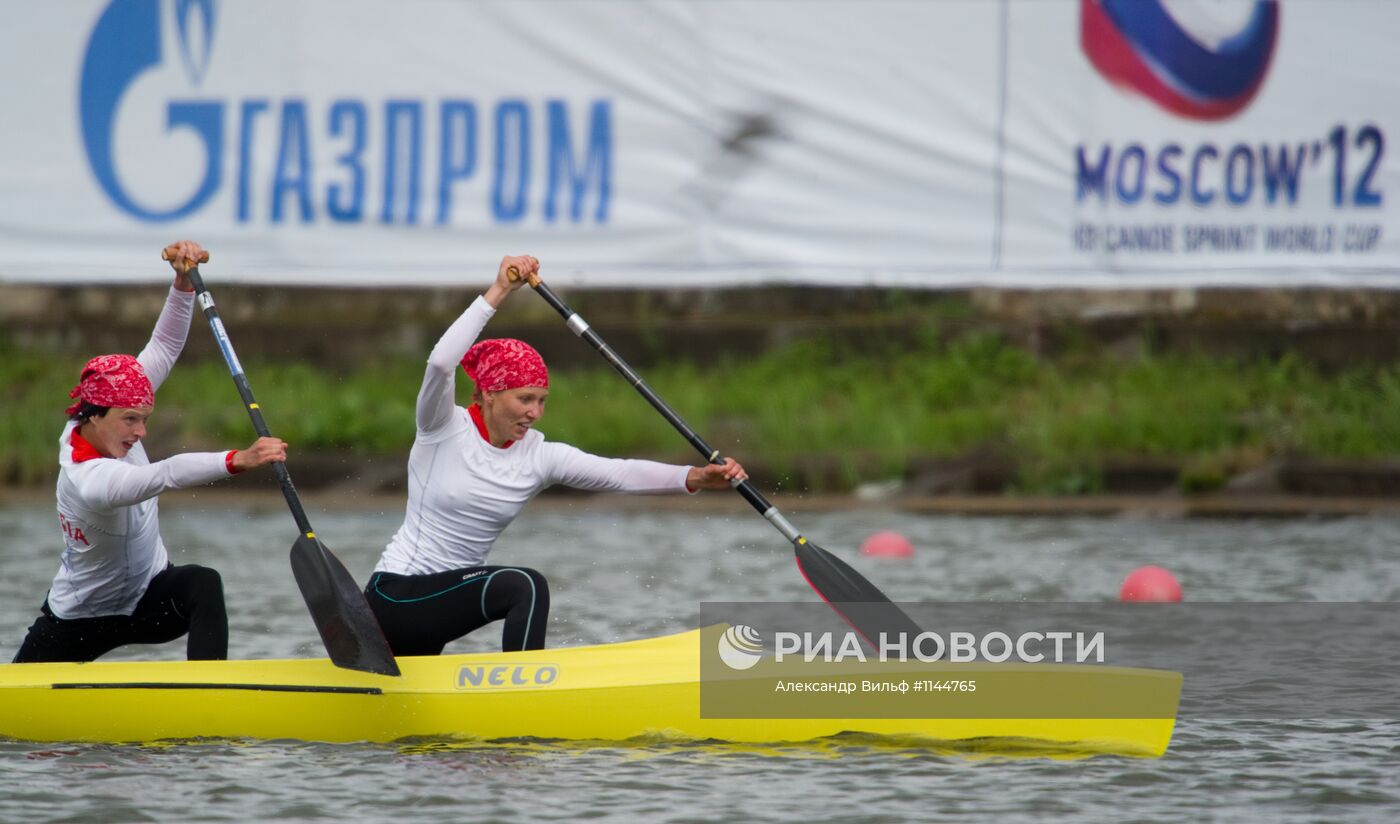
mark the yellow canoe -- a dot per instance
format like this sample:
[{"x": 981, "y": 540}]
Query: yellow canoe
[{"x": 610, "y": 692}]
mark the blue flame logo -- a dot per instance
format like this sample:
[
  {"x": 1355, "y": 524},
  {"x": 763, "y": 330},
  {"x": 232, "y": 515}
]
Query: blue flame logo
[
  {"x": 125, "y": 44},
  {"x": 196, "y": 62}
]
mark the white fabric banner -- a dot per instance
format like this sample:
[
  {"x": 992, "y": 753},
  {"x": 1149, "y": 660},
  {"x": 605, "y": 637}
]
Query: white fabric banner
[
  {"x": 1223, "y": 143},
  {"x": 656, "y": 143}
]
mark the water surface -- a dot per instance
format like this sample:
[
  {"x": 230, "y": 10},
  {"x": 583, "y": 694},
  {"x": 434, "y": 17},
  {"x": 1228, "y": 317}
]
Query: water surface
[{"x": 619, "y": 574}]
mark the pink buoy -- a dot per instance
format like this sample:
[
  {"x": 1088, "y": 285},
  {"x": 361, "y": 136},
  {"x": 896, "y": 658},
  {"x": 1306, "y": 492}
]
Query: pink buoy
[
  {"x": 887, "y": 545},
  {"x": 1152, "y": 584}
]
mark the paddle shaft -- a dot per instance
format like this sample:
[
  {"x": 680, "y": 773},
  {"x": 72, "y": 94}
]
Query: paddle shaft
[
  {"x": 859, "y": 602},
  {"x": 348, "y": 628},
  {"x": 284, "y": 478},
  {"x": 581, "y": 328}
]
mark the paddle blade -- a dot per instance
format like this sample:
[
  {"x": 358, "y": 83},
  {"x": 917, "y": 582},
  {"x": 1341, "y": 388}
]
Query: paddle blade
[
  {"x": 855, "y": 599},
  {"x": 348, "y": 628}
]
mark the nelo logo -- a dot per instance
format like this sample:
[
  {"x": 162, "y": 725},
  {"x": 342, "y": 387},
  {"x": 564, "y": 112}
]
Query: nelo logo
[
  {"x": 1198, "y": 63},
  {"x": 507, "y": 676},
  {"x": 126, "y": 43}
]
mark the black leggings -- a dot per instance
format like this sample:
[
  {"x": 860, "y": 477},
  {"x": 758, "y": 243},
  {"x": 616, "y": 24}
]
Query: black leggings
[
  {"x": 179, "y": 600},
  {"x": 420, "y": 614}
]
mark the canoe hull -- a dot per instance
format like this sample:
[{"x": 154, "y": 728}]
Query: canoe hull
[{"x": 611, "y": 692}]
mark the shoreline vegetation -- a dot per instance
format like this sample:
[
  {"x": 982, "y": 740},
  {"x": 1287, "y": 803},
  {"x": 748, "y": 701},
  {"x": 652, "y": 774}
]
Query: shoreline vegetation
[{"x": 975, "y": 415}]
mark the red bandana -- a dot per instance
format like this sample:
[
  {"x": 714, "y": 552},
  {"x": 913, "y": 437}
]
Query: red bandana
[
  {"x": 113, "y": 381},
  {"x": 505, "y": 363}
]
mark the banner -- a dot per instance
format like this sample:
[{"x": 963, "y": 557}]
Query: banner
[
  {"x": 672, "y": 143},
  {"x": 1202, "y": 143}
]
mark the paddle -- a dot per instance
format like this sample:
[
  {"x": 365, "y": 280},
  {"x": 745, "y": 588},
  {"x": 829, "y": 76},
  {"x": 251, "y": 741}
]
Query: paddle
[
  {"x": 348, "y": 628},
  {"x": 855, "y": 599}
]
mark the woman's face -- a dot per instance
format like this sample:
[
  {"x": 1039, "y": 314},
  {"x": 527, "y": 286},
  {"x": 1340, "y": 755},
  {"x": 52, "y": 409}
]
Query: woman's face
[
  {"x": 115, "y": 433},
  {"x": 510, "y": 413}
]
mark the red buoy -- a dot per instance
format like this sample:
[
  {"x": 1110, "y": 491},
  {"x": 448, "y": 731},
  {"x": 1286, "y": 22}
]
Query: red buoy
[
  {"x": 887, "y": 545},
  {"x": 1152, "y": 584}
]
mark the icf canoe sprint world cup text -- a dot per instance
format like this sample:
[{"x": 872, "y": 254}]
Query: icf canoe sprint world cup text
[{"x": 1303, "y": 194}]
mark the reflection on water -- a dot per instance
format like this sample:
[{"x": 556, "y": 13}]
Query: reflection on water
[
  {"x": 845, "y": 745},
  {"x": 623, "y": 574}
]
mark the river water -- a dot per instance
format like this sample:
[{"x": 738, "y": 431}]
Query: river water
[{"x": 624, "y": 573}]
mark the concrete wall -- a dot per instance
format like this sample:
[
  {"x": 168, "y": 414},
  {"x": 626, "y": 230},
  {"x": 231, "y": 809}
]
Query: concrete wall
[{"x": 340, "y": 327}]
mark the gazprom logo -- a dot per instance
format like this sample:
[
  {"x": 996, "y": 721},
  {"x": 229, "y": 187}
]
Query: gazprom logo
[
  {"x": 1201, "y": 61},
  {"x": 125, "y": 44},
  {"x": 153, "y": 105}
]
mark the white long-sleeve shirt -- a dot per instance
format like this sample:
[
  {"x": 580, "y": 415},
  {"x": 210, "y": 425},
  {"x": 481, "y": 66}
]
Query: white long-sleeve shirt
[
  {"x": 107, "y": 507},
  {"x": 463, "y": 492}
]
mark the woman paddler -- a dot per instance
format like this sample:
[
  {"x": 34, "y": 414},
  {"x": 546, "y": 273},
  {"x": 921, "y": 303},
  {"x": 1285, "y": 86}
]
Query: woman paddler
[
  {"x": 471, "y": 471},
  {"x": 115, "y": 583}
]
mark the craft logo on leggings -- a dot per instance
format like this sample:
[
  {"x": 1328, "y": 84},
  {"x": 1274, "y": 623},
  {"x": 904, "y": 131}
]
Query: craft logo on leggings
[
  {"x": 337, "y": 156},
  {"x": 506, "y": 676}
]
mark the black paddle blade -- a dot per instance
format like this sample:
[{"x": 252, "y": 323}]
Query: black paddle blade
[
  {"x": 349, "y": 630},
  {"x": 855, "y": 599}
]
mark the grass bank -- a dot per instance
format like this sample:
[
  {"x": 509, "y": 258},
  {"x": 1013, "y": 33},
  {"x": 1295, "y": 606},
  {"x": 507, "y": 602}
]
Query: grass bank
[{"x": 1060, "y": 421}]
